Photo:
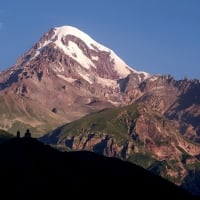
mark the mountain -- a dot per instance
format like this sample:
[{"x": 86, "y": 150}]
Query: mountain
[
  {"x": 32, "y": 169},
  {"x": 135, "y": 133},
  {"x": 67, "y": 75},
  {"x": 64, "y": 76}
]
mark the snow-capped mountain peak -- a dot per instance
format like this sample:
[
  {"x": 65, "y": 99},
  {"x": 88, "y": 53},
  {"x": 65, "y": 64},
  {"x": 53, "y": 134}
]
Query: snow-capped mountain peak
[
  {"x": 68, "y": 55},
  {"x": 84, "y": 50}
]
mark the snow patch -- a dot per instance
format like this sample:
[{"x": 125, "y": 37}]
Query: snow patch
[
  {"x": 41, "y": 46},
  {"x": 95, "y": 58},
  {"x": 146, "y": 75},
  {"x": 85, "y": 77},
  {"x": 48, "y": 72},
  {"x": 11, "y": 72},
  {"x": 107, "y": 82},
  {"x": 153, "y": 78},
  {"x": 68, "y": 79},
  {"x": 58, "y": 68},
  {"x": 120, "y": 66},
  {"x": 71, "y": 50},
  {"x": 114, "y": 102}
]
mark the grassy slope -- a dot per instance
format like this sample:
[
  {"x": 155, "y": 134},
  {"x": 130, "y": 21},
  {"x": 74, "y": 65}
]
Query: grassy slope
[
  {"x": 109, "y": 121},
  {"x": 24, "y": 115}
]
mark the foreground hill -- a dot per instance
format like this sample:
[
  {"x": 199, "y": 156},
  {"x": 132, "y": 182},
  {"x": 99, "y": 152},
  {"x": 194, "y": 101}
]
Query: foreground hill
[{"x": 32, "y": 170}]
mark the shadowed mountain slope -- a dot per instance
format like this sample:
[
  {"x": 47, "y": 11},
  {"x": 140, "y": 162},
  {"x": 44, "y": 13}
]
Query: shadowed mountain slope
[
  {"x": 32, "y": 170},
  {"x": 4, "y": 135}
]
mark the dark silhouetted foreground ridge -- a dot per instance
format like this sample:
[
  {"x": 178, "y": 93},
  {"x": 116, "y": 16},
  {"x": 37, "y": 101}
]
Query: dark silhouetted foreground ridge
[{"x": 30, "y": 170}]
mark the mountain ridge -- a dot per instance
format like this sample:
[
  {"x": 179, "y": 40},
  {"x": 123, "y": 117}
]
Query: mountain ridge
[{"x": 135, "y": 133}]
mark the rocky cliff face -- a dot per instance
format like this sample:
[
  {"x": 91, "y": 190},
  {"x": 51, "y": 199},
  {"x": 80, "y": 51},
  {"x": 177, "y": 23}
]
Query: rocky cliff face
[
  {"x": 152, "y": 130},
  {"x": 177, "y": 100}
]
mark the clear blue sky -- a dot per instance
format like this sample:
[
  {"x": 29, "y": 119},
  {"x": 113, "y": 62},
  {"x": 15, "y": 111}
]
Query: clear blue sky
[{"x": 156, "y": 36}]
